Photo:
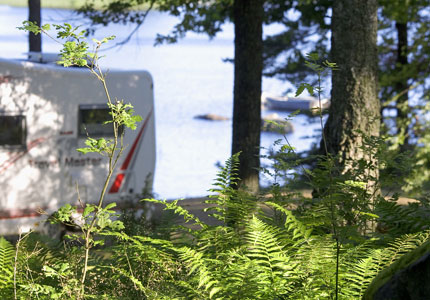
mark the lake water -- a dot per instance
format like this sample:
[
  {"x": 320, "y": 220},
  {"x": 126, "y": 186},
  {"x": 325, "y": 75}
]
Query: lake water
[{"x": 190, "y": 78}]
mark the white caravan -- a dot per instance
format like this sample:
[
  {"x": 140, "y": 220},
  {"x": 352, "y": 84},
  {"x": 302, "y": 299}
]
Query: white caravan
[{"x": 46, "y": 112}]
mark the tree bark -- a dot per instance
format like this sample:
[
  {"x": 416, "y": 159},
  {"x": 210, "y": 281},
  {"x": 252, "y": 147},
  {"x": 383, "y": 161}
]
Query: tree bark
[
  {"x": 401, "y": 85},
  {"x": 354, "y": 106},
  {"x": 248, "y": 66},
  {"x": 34, "y": 15}
]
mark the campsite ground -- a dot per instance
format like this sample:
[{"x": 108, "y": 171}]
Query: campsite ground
[{"x": 197, "y": 205}]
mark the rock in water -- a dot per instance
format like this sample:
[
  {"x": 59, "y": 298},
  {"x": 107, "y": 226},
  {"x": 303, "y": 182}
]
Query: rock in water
[
  {"x": 211, "y": 117},
  {"x": 274, "y": 123}
]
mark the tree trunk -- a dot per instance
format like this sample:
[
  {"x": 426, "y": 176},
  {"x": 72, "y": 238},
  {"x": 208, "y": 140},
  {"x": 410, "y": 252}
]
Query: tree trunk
[
  {"x": 248, "y": 65},
  {"x": 34, "y": 41},
  {"x": 401, "y": 85},
  {"x": 354, "y": 106}
]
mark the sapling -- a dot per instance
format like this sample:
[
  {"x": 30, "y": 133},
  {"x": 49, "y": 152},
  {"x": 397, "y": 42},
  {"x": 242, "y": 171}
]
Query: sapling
[{"x": 96, "y": 218}]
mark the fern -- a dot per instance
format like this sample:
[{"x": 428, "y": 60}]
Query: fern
[
  {"x": 298, "y": 230},
  {"x": 274, "y": 267},
  {"x": 232, "y": 206},
  {"x": 149, "y": 265},
  {"x": 395, "y": 219},
  {"x": 361, "y": 271},
  {"x": 316, "y": 262},
  {"x": 173, "y": 205},
  {"x": 203, "y": 270},
  {"x": 7, "y": 254}
]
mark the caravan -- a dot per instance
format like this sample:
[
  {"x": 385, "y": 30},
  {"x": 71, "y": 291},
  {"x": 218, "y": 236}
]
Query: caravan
[{"x": 46, "y": 113}]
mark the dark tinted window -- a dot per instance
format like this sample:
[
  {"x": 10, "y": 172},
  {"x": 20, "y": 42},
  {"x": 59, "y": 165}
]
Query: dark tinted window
[
  {"x": 92, "y": 119},
  {"x": 12, "y": 130}
]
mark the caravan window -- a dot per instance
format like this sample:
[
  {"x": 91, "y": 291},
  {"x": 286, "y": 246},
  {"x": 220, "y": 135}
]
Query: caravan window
[
  {"x": 91, "y": 120},
  {"x": 12, "y": 130}
]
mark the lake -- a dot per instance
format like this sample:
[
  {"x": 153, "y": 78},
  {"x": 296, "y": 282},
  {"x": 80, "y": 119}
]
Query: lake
[{"x": 190, "y": 79}]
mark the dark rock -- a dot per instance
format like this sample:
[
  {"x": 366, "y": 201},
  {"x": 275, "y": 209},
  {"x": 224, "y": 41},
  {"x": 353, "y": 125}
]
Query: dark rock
[
  {"x": 407, "y": 280},
  {"x": 274, "y": 123},
  {"x": 211, "y": 117}
]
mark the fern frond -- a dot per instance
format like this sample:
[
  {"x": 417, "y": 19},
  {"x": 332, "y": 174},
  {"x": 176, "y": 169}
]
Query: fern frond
[
  {"x": 403, "y": 262},
  {"x": 203, "y": 269},
  {"x": 297, "y": 229},
  {"x": 267, "y": 252},
  {"x": 232, "y": 206},
  {"x": 7, "y": 254},
  {"x": 173, "y": 205},
  {"x": 396, "y": 219},
  {"x": 148, "y": 293},
  {"x": 360, "y": 272}
]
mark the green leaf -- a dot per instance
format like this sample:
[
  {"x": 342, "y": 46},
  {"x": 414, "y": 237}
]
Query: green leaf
[
  {"x": 110, "y": 205},
  {"x": 357, "y": 184},
  {"x": 99, "y": 242},
  {"x": 89, "y": 209},
  {"x": 101, "y": 143},
  {"x": 117, "y": 225},
  {"x": 312, "y": 56},
  {"x": 214, "y": 291},
  {"x": 310, "y": 89},
  {"x": 30, "y": 26},
  {"x": 84, "y": 150},
  {"x": 300, "y": 89},
  {"x": 363, "y": 213},
  {"x": 46, "y": 27}
]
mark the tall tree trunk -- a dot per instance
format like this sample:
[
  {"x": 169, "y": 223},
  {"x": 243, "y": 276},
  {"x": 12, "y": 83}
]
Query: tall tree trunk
[
  {"x": 355, "y": 106},
  {"x": 34, "y": 15},
  {"x": 248, "y": 65},
  {"x": 402, "y": 86}
]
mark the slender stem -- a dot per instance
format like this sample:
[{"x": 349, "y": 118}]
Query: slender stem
[
  {"x": 15, "y": 266},
  {"x": 332, "y": 205},
  {"x": 337, "y": 267},
  {"x": 113, "y": 154},
  {"x": 320, "y": 114},
  {"x": 112, "y": 163},
  {"x": 301, "y": 165}
]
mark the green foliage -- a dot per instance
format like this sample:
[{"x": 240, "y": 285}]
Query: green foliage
[
  {"x": 321, "y": 69},
  {"x": 250, "y": 255},
  {"x": 96, "y": 219},
  {"x": 122, "y": 114},
  {"x": 282, "y": 247},
  {"x": 231, "y": 204},
  {"x": 395, "y": 219},
  {"x": 75, "y": 51},
  {"x": 199, "y": 16},
  {"x": 7, "y": 255}
]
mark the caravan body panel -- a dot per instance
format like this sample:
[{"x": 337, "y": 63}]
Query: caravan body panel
[{"x": 45, "y": 114}]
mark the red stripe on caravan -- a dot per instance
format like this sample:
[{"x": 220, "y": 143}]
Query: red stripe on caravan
[
  {"x": 133, "y": 148},
  {"x": 14, "y": 158},
  {"x": 120, "y": 177},
  {"x": 116, "y": 184}
]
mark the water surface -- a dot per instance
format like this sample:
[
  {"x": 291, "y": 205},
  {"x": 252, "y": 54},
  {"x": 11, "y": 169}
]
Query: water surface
[{"x": 190, "y": 78}]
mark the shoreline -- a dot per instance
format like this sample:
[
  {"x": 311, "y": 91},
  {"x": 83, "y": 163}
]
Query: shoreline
[{"x": 72, "y": 5}]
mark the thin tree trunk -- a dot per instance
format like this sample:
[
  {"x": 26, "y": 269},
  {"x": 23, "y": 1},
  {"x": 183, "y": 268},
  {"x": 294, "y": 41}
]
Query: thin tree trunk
[
  {"x": 248, "y": 66},
  {"x": 34, "y": 15},
  {"x": 402, "y": 84},
  {"x": 355, "y": 107}
]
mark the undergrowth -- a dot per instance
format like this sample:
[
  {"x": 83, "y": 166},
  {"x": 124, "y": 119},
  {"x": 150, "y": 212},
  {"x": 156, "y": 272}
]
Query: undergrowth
[{"x": 251, "y": 255}]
